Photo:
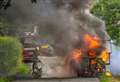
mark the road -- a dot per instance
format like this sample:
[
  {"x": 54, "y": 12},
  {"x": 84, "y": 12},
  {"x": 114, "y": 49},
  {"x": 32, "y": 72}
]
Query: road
[
  {"x": 62, "y": 80},
  {"x": 51, "y": 74}
]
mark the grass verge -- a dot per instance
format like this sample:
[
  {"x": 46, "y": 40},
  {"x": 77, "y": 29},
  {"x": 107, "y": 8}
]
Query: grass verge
[
  {"x": 104, "y": 78},
  {"x": 5, "y": 79}
]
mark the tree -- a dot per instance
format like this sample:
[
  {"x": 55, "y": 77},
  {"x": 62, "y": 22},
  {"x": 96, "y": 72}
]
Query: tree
[
  {"x": 109, "y": 11},
  {"x": 7, "y": 27}
]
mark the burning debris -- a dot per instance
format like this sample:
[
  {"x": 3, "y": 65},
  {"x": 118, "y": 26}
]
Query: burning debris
[
  {"x": 91, "y": 53},
  {"x": 74, "y": 33}
]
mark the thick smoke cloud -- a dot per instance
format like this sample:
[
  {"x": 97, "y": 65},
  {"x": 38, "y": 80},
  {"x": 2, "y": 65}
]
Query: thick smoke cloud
[{"x": 63, "y": 21}]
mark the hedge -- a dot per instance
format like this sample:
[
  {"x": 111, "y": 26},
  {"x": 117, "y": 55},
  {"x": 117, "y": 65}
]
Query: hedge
[{"x": 10, "y": 55}]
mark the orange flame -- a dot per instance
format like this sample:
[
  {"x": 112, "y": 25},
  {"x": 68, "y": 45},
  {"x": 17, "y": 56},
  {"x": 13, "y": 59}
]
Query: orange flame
[
  {"x": 93, "y": 62},
  {"x": 76, "y": 54},
  {"x": 92, "y": 53},
  {"x": 91, "y": 42},
  {"x": 104, "y": 55}
]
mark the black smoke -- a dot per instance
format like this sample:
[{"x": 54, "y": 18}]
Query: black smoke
[{"x": 64, "y": 22}]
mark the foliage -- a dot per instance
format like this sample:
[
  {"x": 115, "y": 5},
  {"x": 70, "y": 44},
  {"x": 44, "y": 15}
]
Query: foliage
[
  {"x": 109, "y": 10},
  {"x": 23, "y": 69},
  {"x": 7, "y": 27},
  {"x": 104, "y": 78},
  {"x": 10, "y": 55},
  {"x": 4, "y": 79}
]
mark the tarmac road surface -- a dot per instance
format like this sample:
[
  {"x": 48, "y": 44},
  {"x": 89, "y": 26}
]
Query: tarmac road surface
[
  {"x": 62, "y": 80},
  {"x": 54, "y": 76}
]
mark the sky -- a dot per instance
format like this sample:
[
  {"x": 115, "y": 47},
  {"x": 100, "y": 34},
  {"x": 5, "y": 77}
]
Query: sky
[{"x": 115, "y": 60}]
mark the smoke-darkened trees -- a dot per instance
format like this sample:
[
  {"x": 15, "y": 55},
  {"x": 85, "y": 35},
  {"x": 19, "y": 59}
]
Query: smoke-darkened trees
[
  {"x": 109, "y": 10},
  {"x": 7, "y": 27},
  {"x": 10, "y": 51}
]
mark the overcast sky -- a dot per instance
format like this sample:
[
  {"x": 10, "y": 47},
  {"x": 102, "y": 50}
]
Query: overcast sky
[{"x": 115, "y": 60}]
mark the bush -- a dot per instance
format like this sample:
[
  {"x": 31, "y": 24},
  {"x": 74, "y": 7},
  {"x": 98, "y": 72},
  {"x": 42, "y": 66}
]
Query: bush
[
  {"x": 23, "y": 69},
  {"x": 10, "y": 56},
  {"x": 4, "y": 79},
  {"x": 104, "y": 78}
]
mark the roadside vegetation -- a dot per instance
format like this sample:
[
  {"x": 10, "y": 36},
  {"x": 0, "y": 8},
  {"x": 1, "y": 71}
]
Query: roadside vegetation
[
  {"x": 10, "y": 54},
  {"x": 7, "y": 27},
  {"x": 10, "y": 58},
  {"x": 104, "y": 78},
  {"x": 115, "y": 79},
  {"x": 5, "y": 79},
  {"x": 109, "y": 11},
  {"x": 10, "y": 51}
]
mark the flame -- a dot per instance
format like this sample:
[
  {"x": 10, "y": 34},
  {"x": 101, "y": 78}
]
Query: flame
[
  {"x": 91, "y": 53},
  {"x": 90, "y": 48},
  {"x": 92, "y": 62},
  {"x": 104, "y": 55},
  {"x": 76, "y": 53},
  {"x": 91, "y": 42}
]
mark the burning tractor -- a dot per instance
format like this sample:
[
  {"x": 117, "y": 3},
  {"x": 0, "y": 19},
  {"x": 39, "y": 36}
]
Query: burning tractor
[
  {"x": 90, "y": 59},
  {"x": 30, "y": 55}
]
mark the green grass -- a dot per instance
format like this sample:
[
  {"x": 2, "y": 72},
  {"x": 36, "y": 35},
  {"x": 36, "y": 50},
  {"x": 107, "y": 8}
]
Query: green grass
[
  {"x": 5, "y": 79},
  {"x": 104, "y": 78},
  {"x": 12, "y": 57},
  {"x": 23, "y": 68}
]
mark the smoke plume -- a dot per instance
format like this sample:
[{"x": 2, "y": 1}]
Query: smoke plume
[{"x": 64, "y": 22}]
